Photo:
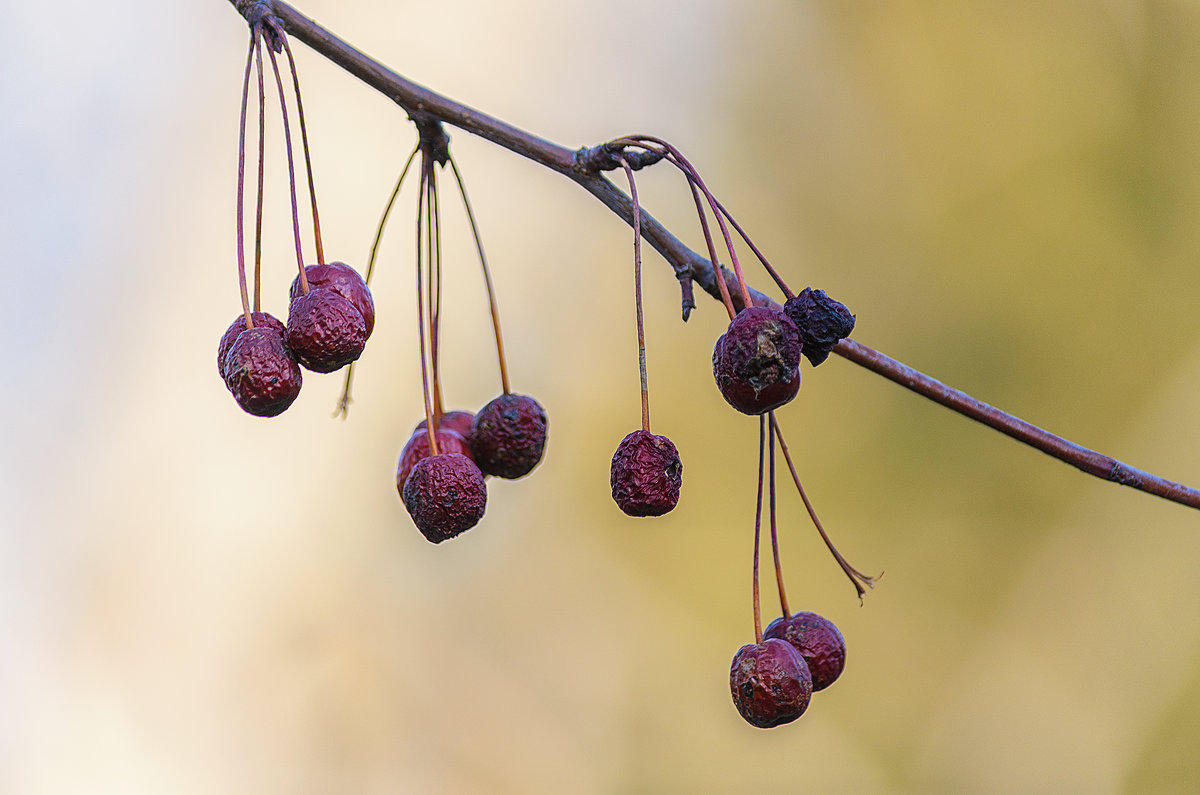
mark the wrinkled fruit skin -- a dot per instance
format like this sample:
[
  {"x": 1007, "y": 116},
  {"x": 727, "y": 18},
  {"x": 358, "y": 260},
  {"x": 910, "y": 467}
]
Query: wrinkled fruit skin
[
  {"x": 261, "y": 373},
  {"x": 818, "y": 641},
  {"x": 325, "y": 331},
  {"x": 236, "y": 328},
  {"x": 445, "y": 495},
  {"x": 461, "y": 422},
  {"x": 417, "y": 448},
  {"x": 646, "y": 474},
  {"x": 343, "y": 280},
  {"x": 509, "y": 436},
  {"x": 821, "y": 320},
  {"x": 756, "y": 362},
  {"x": 770, "y": 683}
]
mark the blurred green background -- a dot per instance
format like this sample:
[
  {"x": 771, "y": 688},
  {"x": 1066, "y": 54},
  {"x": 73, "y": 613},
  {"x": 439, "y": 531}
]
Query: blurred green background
[{"x": 1006, "y": 194}]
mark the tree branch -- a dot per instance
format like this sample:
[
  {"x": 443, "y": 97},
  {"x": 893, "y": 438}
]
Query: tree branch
[{"x": 424, "y": 106}]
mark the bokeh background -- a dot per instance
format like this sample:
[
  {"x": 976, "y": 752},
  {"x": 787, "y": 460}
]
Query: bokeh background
[{"x": 196, "y": 601}]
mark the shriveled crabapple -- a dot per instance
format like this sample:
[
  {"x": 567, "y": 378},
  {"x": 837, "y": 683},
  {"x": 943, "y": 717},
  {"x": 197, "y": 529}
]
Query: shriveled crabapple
[
  {"x": 343, "y": 280},
  {"x": 821, "y": 321},
  {"x": 445, "y": 495},
  {"x": 646, "y": 474},
  {"x": 770, "y": 683},
  {"x": 417, "y": 448},
  {"x": 325, "y": 331},
  {"x": 756, "y": 362},
  {"x": 819, "y": 642},
  {"x": 236, "y": 328},
  {"x": 260, "y": 372},
  {"x": 509, "y": 436}
]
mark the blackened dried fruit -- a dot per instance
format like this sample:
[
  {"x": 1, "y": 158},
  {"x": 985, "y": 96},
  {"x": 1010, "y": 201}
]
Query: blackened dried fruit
[
  {"x": 770, "y": 683},
  {"x": 445, "y": 495},
  {"x": 646, "y": 474},
  {"x": 756, "y": 362},
  {"x": 509, "y": 436},
  {"x": 818, "y": 641},
  {"x": 261, "y": 373},
  {"x": 325, "y": 331},
  {"x": 461, "y": 422},
  {"x": 343, "y": 280},
  {"x": 236, "y": 328},
  {"x": 417, "y": 448},
  {"x": 821, "y": 320}
]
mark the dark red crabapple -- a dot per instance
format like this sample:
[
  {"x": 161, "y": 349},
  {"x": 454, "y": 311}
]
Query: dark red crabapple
[
  {"x": 461, "y": 422},
  {"x": 646, "y": 474},
  {"x": 237, "y": 327},
  {"x": 509, "y": 436},
  {"x": 821, "y": 320},
  {"x": 818, "y": 641},
  {"x": 417, "y": 448},
  {"x": 343, "y": 280},
  {"x": 445, "y": 495},
  {"x": 325, "y": 331},
  {"x": 770, "y": 683},
  {"x": 261, "y": 373},
  {"x": 756, "y": 362}
]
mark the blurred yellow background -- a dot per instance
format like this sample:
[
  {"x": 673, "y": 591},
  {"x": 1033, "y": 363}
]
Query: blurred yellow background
[{"x": 197, "y": 601}]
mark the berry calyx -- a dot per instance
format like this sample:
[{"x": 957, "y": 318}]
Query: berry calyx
[
  {"x": 756, "y": 362},
  {"x": 646, "y": 474},
  {"x": 770, "y": 683},
  {"x": 344, "y": 281},
  {"x": 821, "y": 321},
  {"x": 819, "y": 642},
  {"x": 325, "y": 331},
  {"x": 509, "y": 436},
  {"x": 417, "y": 449},
  {"x": 237, "y": 327},
  {"x": 445, "y": 495},
  {"x": 260, "y": 372}
]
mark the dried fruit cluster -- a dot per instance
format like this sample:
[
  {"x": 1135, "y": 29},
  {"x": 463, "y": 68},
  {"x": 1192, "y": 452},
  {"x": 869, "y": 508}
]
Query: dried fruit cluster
[
  {"x": 330, "y": 309},
  {"x": 442, "y": 469},
  {"x": 756, "y": 367},
  {"x": 441, "y": 473}
]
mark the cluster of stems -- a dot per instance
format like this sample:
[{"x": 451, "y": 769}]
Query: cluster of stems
[{"x": 267, "y": 30}]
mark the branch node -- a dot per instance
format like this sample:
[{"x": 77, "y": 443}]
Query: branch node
[
  {"x": 432, "y": 138},
  {"x": 686, "y": 293},
  {"x": 607, "y": 157}
]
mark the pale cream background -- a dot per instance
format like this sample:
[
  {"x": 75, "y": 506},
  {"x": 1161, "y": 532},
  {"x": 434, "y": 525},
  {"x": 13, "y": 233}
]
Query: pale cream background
[{"x": 1007, "y": 194}]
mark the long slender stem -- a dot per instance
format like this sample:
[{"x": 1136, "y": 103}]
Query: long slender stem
[
  {"x": 287, "y": 138},
  {"x": 762, "y": 424},
  {"x": 422, "y": 103},
  {"x": 422, "y": 222},
  {"x": 856, "y": 577},
  {"x": 343, "y": 404},
  {"x": 262, "y": 159},
  {"x": 493, "y": 305},
  {"x": 435, "y": 297},
  {"x": 783, "y": 601},
  {"x": 637, "y": 294},
  {"x": 241, "y": 184},
  {"x": 312, "y": 191}
]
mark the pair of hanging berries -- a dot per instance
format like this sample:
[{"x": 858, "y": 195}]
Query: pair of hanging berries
[
  {"x": 772, "y": 681},
  {"x": 331, "y": 312},
  {"x": 327, "y": 328},
  {"x": 440, "y": 475}
]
